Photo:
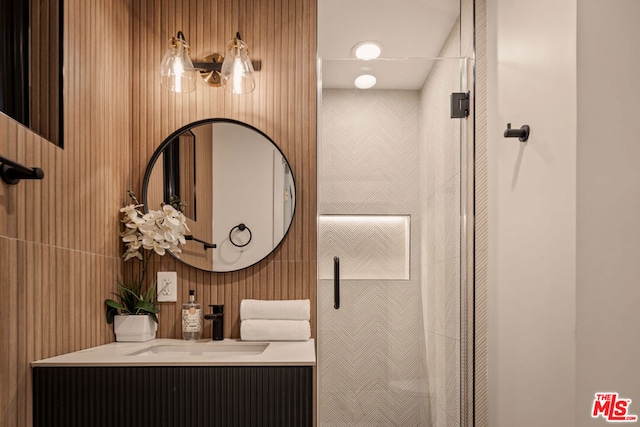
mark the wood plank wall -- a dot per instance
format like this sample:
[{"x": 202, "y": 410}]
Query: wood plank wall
[
  {"x": 282, "y": 35},
  {"x": 59, "y": 244}
]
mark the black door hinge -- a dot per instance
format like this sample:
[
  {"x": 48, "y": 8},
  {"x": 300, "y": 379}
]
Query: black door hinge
[{"x": 459, "y": 105}]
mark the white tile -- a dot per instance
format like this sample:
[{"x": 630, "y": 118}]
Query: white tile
[{"x": 368, "y": 246}]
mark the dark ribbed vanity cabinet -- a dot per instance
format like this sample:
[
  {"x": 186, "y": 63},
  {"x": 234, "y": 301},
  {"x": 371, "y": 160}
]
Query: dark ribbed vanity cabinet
[{"x": 173, "y": 396}]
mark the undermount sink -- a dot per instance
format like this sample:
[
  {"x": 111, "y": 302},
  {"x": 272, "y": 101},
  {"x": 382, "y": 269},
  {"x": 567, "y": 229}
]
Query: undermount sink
[{"x": 208, "y": 349}]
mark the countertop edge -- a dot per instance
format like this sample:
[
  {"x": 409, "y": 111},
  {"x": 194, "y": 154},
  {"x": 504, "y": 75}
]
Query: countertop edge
[{"x": 279, "y": 353}]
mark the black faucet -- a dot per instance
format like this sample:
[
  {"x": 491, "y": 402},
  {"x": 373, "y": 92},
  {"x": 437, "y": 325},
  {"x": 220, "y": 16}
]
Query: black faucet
[{"x": 217, "y": 317}]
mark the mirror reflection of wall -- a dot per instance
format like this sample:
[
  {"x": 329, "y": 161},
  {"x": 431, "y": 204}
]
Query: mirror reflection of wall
[
  {"x": 197, "y": 189},
  {"x": 222, "y": 174},
  {"x": 31, "y": 65},
  {"x": 179, "y": 179}
]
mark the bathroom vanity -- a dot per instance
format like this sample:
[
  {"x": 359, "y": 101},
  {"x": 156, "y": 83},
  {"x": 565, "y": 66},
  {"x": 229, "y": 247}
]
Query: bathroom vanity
[{"x": 166, "y": 382}]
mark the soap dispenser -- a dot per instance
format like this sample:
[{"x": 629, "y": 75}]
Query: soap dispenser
[
  {"x": 191, "y": 318},
  {"x": 217, "y": 321}
]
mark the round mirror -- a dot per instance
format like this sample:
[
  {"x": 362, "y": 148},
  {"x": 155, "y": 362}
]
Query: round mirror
[{"x": 232, "y": 183}]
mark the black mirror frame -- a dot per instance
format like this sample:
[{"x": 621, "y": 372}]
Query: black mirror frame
[{"x": 189, "y": 126}]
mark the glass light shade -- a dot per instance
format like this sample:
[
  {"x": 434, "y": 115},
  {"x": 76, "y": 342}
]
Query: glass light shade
[
  {"x": 237, "y": 69},
  {"x": 176, "y": 69}
]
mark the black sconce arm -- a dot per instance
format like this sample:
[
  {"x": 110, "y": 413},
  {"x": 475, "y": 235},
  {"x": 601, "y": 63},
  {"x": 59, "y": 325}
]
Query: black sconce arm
[{"x": 216, "y": 64}]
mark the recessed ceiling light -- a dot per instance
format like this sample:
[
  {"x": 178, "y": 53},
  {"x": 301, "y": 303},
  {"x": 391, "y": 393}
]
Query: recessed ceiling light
[
  {"x": 365, "y": 81},
  {"x": 367, "y": 50}
]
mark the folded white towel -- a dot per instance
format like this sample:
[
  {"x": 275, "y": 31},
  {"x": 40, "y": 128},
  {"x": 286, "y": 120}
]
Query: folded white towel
[
  {"x": 277, "y": 310},
  {"x": 275, "y": 330}
]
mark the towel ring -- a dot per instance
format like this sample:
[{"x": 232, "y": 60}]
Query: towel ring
[{"x": 240, "y": 227}]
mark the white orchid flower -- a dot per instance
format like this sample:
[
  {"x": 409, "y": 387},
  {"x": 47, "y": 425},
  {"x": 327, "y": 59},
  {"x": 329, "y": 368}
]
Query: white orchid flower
[
  {"x": 132, "y": 254},
  {"x": 156, "y": 231}
]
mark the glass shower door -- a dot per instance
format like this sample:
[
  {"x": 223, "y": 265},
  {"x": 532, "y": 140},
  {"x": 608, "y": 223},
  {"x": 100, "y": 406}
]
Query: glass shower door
[{"x": 389, "y": 251}]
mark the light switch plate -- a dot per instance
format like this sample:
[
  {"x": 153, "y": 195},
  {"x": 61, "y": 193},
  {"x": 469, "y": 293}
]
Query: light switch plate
[{"x": 167, "y": 286}]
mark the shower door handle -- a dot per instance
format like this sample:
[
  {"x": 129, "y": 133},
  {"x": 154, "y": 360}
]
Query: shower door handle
[{"x": 336, "y": 282}]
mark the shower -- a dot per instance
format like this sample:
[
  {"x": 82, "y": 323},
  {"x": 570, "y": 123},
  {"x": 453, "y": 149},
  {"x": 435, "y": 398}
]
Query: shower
[{"x": 391, "y": 235}]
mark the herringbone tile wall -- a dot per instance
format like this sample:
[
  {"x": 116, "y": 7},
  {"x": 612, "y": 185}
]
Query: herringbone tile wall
[{"x": 370, "y": 349}]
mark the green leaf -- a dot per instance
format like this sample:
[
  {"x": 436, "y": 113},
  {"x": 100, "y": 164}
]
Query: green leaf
[
  {"x": 132, "y": 299},
  {"x": 147, "y": 306},
  {"x": 150, "y": 293},
  {"x": 111, "y": 303},
  {"x": 111, "y": 310}
]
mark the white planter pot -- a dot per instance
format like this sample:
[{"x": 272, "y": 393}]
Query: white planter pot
[{"x": 132, "y": 328}]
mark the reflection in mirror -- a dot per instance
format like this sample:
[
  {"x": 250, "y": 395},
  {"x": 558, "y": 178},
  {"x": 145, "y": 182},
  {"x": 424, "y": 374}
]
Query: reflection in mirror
[
  {"x": 31, "y": 65},
  {"x": 233, "y": 184}
]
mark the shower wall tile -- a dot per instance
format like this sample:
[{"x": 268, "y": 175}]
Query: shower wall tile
[
  {"x": 440, "y": 290},
  {"x": 371, "y": 409},
  {"x": 451, "y": 213},
  {"x": 444, "y": 368},
  {"x": 368, "y": 161},
  {"x": 436, "y": 125},
  {"x": 375, "y": 329},
  {"x": 442, "y": 225},
  {"x": 369, "y": 246},
  {"x": 451, "y": 325},
  {"x": 370, "y": 359},
  {"x": 452, "y": 381},
  {"x": 435, "y": 227},
  {"x": 434, "y": 275}
]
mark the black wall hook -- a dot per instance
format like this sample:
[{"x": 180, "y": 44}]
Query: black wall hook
[
  {"x": 522, "y": 134},
  {"x": 12, "y": 172}
]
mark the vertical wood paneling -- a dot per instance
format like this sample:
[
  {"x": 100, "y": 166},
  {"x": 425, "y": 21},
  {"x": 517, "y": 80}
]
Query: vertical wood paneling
[
  {"x": 59, "y": 246},
  {"x": 282, "y": 35}
]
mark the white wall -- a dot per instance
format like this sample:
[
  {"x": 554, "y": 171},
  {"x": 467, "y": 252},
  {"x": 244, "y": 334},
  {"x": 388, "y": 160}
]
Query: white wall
[
  {"x": 245, "y": 164},
  {"x": 564, "y": 273},
  {"x": 532, "y": 213},
  {"x": 608, "y": 246}
]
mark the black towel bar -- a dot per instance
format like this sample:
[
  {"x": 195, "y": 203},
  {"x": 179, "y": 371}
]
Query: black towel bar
[
  {"x": 207, "y": 245},
  {"x": 12, "y": 172}
]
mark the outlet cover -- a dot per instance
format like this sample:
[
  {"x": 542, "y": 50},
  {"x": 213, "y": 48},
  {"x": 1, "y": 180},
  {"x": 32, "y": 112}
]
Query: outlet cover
[{"x": 167, "y": 286}]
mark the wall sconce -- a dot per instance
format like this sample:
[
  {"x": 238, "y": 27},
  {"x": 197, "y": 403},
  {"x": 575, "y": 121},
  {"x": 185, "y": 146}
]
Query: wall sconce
[
  {"x": 237, "y": 70},
  {"x": 234, "y": 72},
  {"x": 176, "y": 70}
]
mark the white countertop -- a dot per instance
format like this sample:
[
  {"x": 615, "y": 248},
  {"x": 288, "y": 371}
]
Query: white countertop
[{"x": 173, "y": 352}]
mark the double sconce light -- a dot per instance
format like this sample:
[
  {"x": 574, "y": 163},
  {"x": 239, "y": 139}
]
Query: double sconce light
[{"x": 234, "y": 71}]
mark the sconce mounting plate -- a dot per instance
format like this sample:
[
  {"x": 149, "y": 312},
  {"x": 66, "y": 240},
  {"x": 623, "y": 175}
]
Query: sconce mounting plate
[{"x": 210, "y": 69}]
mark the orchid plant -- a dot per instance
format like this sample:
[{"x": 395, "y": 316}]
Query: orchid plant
[{"x": 146, "y": 234}]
